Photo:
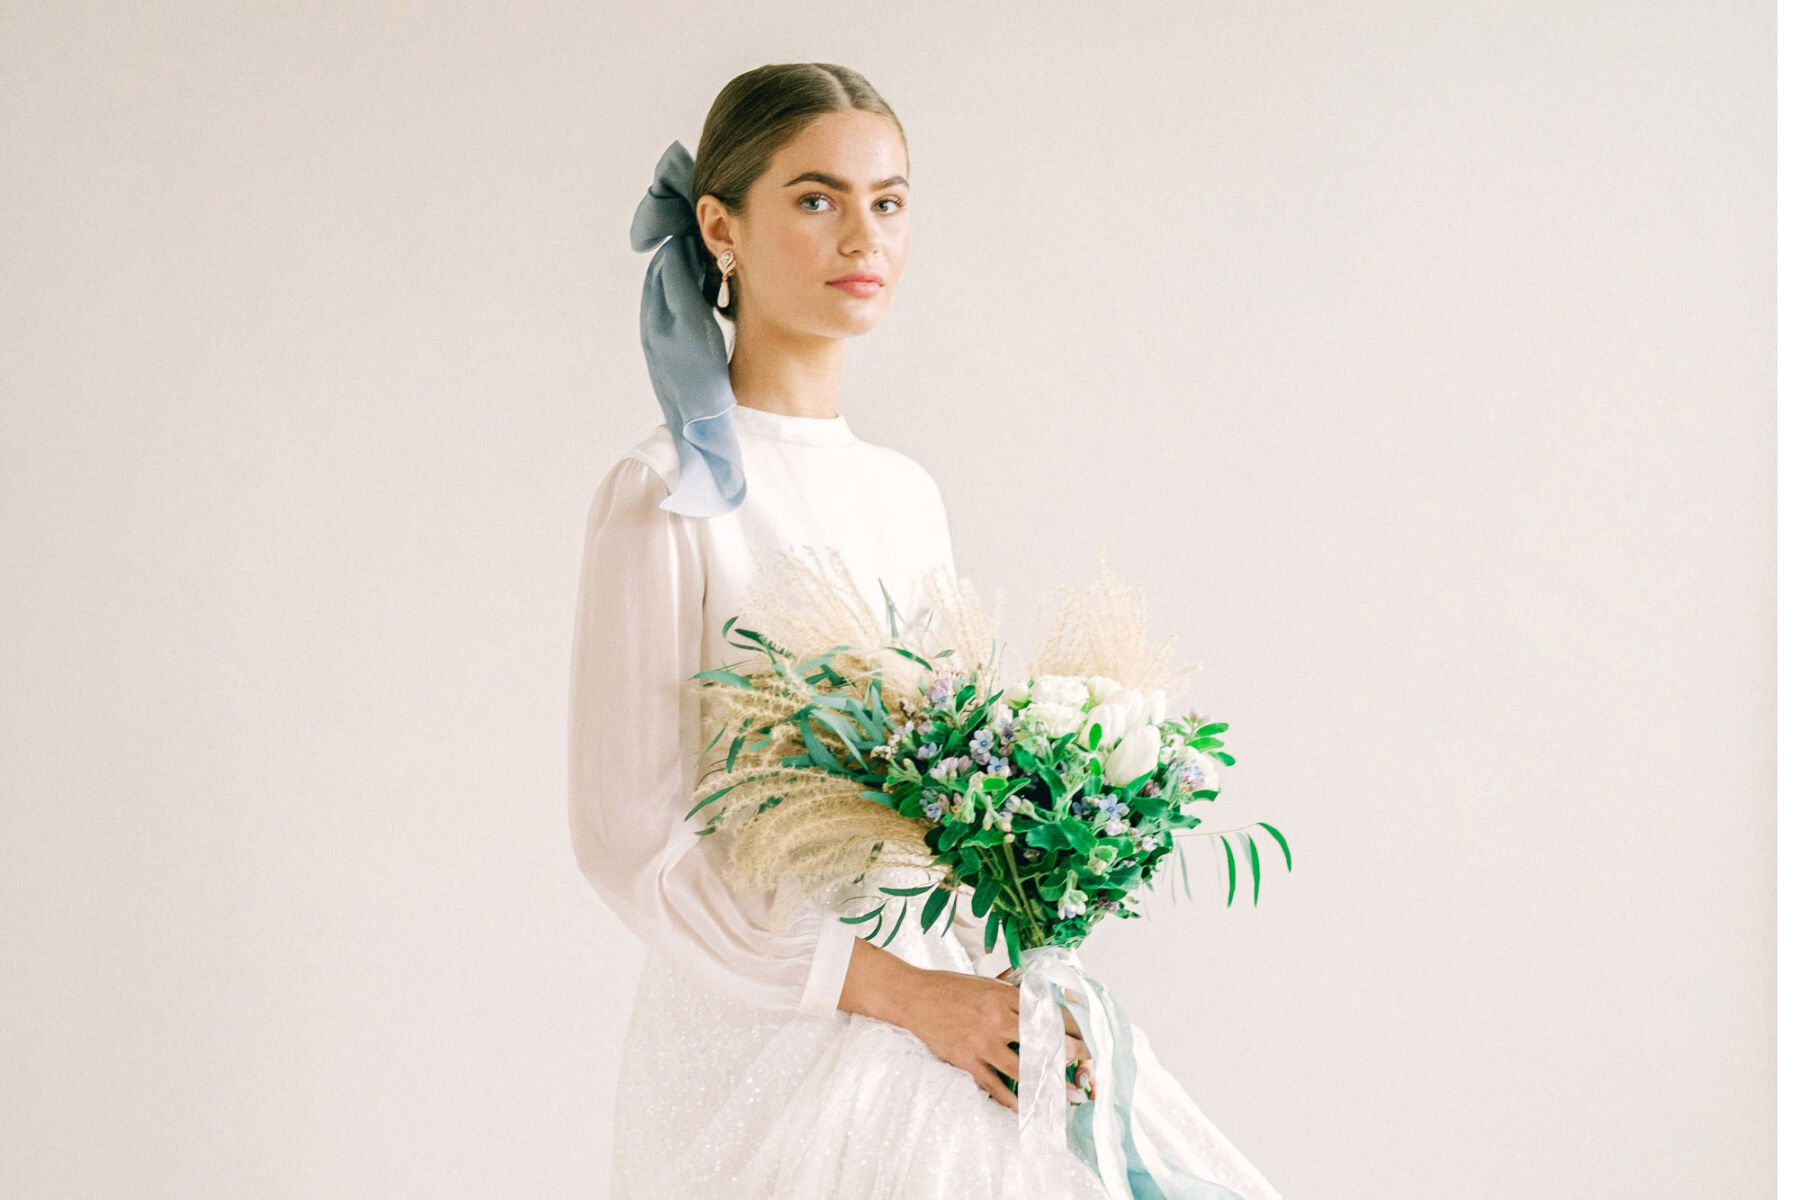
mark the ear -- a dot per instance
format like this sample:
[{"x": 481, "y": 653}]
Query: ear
[{"x": 715, "y": 224}]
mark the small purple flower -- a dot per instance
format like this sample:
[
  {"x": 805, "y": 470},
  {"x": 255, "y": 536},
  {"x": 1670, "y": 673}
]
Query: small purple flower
[
  {"x": 940, "y": 691},
  {"x": 927, "y": 750},
  {"x": 1150, "y": 789},
  {"x": 1115, "y": 827},
  {"x": 1112, "y": 806},
  {"x": 935, "y": 810},
  {"x": 1147, "y": 843}
]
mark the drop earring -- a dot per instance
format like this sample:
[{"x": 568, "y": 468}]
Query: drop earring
[{"x": 726, "y": 262}]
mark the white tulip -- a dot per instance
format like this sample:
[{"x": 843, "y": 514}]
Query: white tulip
[
  {"x": 1100, "y": 687},
  {"x": 1134, "y": 755}
]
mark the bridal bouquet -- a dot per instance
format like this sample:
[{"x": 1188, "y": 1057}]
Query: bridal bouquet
[{"x": 1045, "y": 803}]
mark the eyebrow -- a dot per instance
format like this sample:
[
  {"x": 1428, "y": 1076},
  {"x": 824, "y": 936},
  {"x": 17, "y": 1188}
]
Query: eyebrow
[{"x": 832, "y": 181}]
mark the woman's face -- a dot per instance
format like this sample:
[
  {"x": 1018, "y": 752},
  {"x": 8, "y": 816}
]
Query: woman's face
[{"x": 832, "y": 203}]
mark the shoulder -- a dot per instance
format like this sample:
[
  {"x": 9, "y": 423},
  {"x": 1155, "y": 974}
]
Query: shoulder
[
  {"x": 901, "y": 468},
  {"x": 649, "y": 465},
  {"x": 655, "y": 450}
]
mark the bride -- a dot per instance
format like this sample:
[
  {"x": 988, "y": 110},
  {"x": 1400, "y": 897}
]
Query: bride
[{"x": 785, "y": 1059}]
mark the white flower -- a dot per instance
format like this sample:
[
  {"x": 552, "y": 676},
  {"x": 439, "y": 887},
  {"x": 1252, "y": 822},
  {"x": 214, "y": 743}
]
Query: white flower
[
  {"x": 1111, "y": 720},
  {"x": 1060, "y": 689},
  {"x": 1057, "y": 719},
  {"x": 1016, "y": 694},
  {"x": 1134, "y": 755},
  {"x": 1100, "y": 687}
]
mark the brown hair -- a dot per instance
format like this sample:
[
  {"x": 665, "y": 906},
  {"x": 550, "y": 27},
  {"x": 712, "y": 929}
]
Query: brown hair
[{"x": 752, "y": 117}]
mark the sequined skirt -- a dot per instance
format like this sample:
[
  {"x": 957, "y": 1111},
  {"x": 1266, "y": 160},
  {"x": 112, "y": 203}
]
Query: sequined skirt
[{"x": 714, "y": 1102}]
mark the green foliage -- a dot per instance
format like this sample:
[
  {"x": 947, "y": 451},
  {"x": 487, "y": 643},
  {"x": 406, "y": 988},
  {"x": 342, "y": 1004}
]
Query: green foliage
[{"x": 1023, "y": 821}]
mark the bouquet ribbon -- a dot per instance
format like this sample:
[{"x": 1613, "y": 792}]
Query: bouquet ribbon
[{"x": 1100, "y": 1132}]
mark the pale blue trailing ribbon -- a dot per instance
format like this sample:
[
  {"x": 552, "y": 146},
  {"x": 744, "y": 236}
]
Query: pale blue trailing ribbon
[
  {"x": 1100, "y": 1132},
  {"x": 684, "y": 345}
]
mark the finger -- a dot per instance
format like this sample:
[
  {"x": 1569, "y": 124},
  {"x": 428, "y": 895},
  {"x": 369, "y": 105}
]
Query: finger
[
  {"x": 1070, "y": 1025},
  {"x": 1007, "y": 1059},
  {"x": 996, "y": 1087},
  {"x": 1075, "y": 1050}
]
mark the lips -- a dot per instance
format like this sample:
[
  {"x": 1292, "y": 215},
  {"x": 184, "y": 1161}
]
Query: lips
[{"x": 858, "y": 285}]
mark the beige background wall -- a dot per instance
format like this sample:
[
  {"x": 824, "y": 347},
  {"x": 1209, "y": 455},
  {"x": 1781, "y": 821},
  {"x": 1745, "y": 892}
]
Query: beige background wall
[{"x": 1417, "y": 358}]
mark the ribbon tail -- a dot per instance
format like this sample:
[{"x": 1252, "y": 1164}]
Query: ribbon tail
[{"x": 1103, "y": 1133}]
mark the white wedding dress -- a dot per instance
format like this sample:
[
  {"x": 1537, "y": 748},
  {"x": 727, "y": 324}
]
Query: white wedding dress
[{"x": 740, "y": 1077}]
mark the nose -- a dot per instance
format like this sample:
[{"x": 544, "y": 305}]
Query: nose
[{"x": 862, "y": 235}]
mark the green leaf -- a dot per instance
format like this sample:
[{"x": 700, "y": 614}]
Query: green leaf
[
  {"x": 821, "y": 757},
  {"x": 711, "y": 798},
  {"x": 1279, "y": 841},
  {"x": 871, "y": 914},
  {"x": 1255, "y": 868},
  {"x": 993, "y": 931},
  {"x": 1230, "y": 871},
  {"x": 914, "y": 891},
  {"x": 893, "y": 613},
  {"x": 985, "y": 891},
  {"x": 896, "y": 928},
  {"x": 721, "y": 675},
  {"x": 934, "y": 904},
  {"x": 1081, "y": 835},
  {"x": 1012, "y": 942},
  {"x": 842, "y": 728}
]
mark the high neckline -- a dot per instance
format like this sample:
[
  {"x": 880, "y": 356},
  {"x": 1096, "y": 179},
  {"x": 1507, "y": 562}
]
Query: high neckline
[{"x": 786, "y": 427}]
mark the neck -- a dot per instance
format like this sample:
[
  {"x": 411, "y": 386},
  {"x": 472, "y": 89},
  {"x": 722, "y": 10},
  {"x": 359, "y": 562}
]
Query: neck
[{"x": 783, "y": 371}]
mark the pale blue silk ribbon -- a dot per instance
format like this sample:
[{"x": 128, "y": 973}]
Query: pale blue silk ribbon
[
  {"x": 684, "y": 346},
  {"x": 1101, "y": 1132}
]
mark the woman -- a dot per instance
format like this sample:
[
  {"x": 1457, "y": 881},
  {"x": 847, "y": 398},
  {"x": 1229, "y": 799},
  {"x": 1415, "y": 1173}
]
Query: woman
[{"x": 799, "y": 1062}]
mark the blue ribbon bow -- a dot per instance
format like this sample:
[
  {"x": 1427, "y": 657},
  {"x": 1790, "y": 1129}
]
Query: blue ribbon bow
[{"x": 684, "y": 346}]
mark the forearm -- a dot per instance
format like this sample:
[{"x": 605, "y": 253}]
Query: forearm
[{"x": 879, "y": 984}]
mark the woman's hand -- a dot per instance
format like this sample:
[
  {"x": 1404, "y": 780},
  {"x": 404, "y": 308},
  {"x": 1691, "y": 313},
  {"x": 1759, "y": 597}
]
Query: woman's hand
[{"x": 970, "y": 1021}]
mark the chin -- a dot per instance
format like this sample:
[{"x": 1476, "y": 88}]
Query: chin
[{"x": 850, "y": 323}]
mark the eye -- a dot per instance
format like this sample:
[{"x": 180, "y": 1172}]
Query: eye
[{"x": 896, "y": 201}]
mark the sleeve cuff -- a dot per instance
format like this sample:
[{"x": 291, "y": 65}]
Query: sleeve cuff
[{"x": 830, "y": 963}]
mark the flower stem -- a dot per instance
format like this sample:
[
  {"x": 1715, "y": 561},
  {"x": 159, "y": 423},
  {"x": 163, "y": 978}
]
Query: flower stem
[{"x": 1019, "y": 890}]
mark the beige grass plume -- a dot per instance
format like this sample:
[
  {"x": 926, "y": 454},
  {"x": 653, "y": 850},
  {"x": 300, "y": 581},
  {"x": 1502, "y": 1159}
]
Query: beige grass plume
[
  {"x": 1102, "y": 628},
  {"x": 824, "y": 835}
]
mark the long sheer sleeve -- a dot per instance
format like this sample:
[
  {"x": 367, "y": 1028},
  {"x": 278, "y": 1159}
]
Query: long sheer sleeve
[{"x": 634, "y": 741}]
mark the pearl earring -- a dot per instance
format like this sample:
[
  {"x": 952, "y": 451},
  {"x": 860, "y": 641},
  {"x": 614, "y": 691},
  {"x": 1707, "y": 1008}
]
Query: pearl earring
[{"x": 726, "y": 261}]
